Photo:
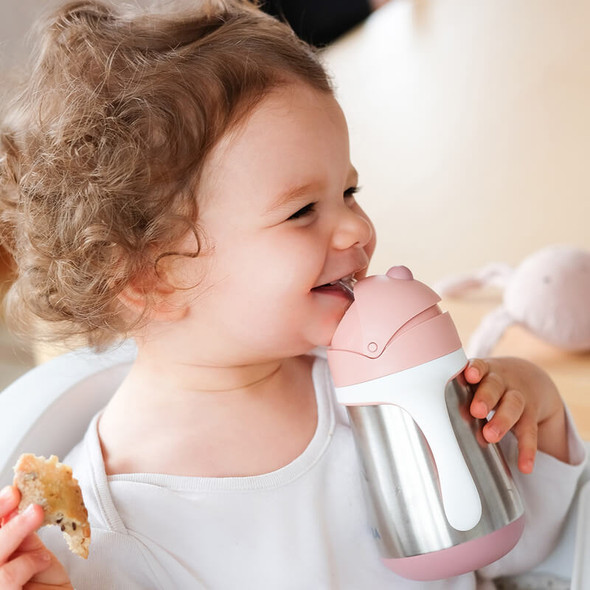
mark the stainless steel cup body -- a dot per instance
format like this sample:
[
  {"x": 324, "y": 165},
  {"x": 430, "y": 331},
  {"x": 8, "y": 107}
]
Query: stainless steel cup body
[{"x": 401, "y": 480}]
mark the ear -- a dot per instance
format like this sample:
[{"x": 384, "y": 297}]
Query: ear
[
  {"x": 493, "y": 275},
  {"x": 154, "y": 299}
]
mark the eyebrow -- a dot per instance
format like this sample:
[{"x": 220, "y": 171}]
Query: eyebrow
[
  {"x": 292, "y": 194},
  {"x": 298, "y": 191}
]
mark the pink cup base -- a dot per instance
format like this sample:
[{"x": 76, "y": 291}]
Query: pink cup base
[{"x": 460, "y": 559}]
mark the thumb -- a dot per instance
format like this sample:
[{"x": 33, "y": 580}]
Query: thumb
[{"x": 55, "y": 574}]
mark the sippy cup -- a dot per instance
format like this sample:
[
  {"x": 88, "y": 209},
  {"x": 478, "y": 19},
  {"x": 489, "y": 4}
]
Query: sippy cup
[{"x": 440, "y": 498}]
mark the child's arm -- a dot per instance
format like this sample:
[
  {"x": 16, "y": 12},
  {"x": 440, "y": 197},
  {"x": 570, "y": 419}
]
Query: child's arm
[
  {"x": 526, "y": 401},
  {"x": 24, "y": 561}
]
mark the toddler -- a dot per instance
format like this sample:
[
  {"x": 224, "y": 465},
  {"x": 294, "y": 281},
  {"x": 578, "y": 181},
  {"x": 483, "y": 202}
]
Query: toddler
[{"x": 184, "y": 179}]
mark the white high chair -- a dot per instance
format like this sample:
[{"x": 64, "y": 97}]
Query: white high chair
[{"x": 48, "y": 409}]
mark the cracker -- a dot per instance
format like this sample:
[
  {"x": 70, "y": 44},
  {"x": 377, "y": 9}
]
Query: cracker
[{"x": 50, "y": 484}]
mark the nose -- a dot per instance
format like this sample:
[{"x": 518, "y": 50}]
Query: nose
[{"x": 354, "y": 228}]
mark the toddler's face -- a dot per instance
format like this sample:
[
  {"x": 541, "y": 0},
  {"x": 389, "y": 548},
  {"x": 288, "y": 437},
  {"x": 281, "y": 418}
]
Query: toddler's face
[{"x": 280, "y": 220}]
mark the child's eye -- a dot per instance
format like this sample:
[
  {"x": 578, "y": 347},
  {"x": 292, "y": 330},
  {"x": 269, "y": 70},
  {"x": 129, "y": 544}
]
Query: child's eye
[
  {"x": 351, "y": 191},
  {"x": 309, "y": 208}
]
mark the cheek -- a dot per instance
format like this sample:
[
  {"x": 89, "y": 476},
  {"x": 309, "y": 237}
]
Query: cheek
[
  {"x": 263, "y": 281},
  {"x": 295, "y": 261}
]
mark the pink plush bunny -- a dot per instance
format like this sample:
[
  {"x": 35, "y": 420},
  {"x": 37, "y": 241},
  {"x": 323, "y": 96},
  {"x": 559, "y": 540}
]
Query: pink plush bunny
[{"x": 549, "y": 294}]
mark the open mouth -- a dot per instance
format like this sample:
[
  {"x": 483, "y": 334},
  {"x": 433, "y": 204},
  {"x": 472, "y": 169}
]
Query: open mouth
[{"x": 344, "y": 285}]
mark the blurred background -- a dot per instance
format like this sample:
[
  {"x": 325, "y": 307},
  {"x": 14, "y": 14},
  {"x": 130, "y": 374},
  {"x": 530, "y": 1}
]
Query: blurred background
[
  {"x": 470, "y": 127},
  {"x": 16, "y": 20}
]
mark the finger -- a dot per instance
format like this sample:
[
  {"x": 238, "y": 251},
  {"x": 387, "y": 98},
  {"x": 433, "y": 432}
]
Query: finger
[
  {"x": 52, "y": 575},
  {"x": 17, "y": 572},
  {"x": 13, "y": 533},
  {"x": 507, "y": 413},
  {"x": 526, "y": 432},
  {"x": 8, "y": 517},
  {"x": 487, "y": 395},
  {"x": 476, "y": 370},
  {"x": 9, "y": 499},
  {"x": 32, "y": 543}
]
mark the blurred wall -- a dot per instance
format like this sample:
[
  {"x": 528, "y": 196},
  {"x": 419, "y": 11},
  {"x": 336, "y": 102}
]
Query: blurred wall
[
  {"x": 16, "y": 18},
  {"x": 470, "y": 128}
]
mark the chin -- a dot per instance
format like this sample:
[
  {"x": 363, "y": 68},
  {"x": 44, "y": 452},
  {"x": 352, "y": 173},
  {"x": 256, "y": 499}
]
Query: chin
[{"x": 324, "y": 338}]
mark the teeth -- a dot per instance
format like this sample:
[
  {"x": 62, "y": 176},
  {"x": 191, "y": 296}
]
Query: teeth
[{"x": 349, "y": 279}]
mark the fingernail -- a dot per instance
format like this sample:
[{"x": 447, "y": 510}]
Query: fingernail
[
  {"x": 45, "y": 556},
  {"x": 29, "y": 511},
  {"x": 5, "y": 493}
]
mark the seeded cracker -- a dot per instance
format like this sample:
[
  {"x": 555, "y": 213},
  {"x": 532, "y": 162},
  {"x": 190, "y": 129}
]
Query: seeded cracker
[{"x": 51, "y": 485}]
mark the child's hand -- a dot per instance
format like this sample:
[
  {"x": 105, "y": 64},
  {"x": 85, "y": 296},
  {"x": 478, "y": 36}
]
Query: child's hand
[
  {"x": 525, "y": 400},
  {"x": 24, "y": 561}
]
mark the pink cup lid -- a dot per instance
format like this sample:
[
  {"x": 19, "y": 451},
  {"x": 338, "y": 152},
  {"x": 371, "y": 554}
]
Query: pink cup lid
[{"x": 393, "y": 324}]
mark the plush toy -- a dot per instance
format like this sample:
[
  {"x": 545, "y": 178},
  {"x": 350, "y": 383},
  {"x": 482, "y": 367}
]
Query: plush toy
[{"x": 548, "y": 294}]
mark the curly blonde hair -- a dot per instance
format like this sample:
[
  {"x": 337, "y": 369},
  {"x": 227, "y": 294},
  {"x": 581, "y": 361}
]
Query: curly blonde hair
[{"x": 102, "y": 148}]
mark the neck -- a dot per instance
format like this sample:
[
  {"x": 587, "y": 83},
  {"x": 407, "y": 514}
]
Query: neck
[
  {"x": 209, "y": 421},
  {"x": 195, "y": 378}
]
